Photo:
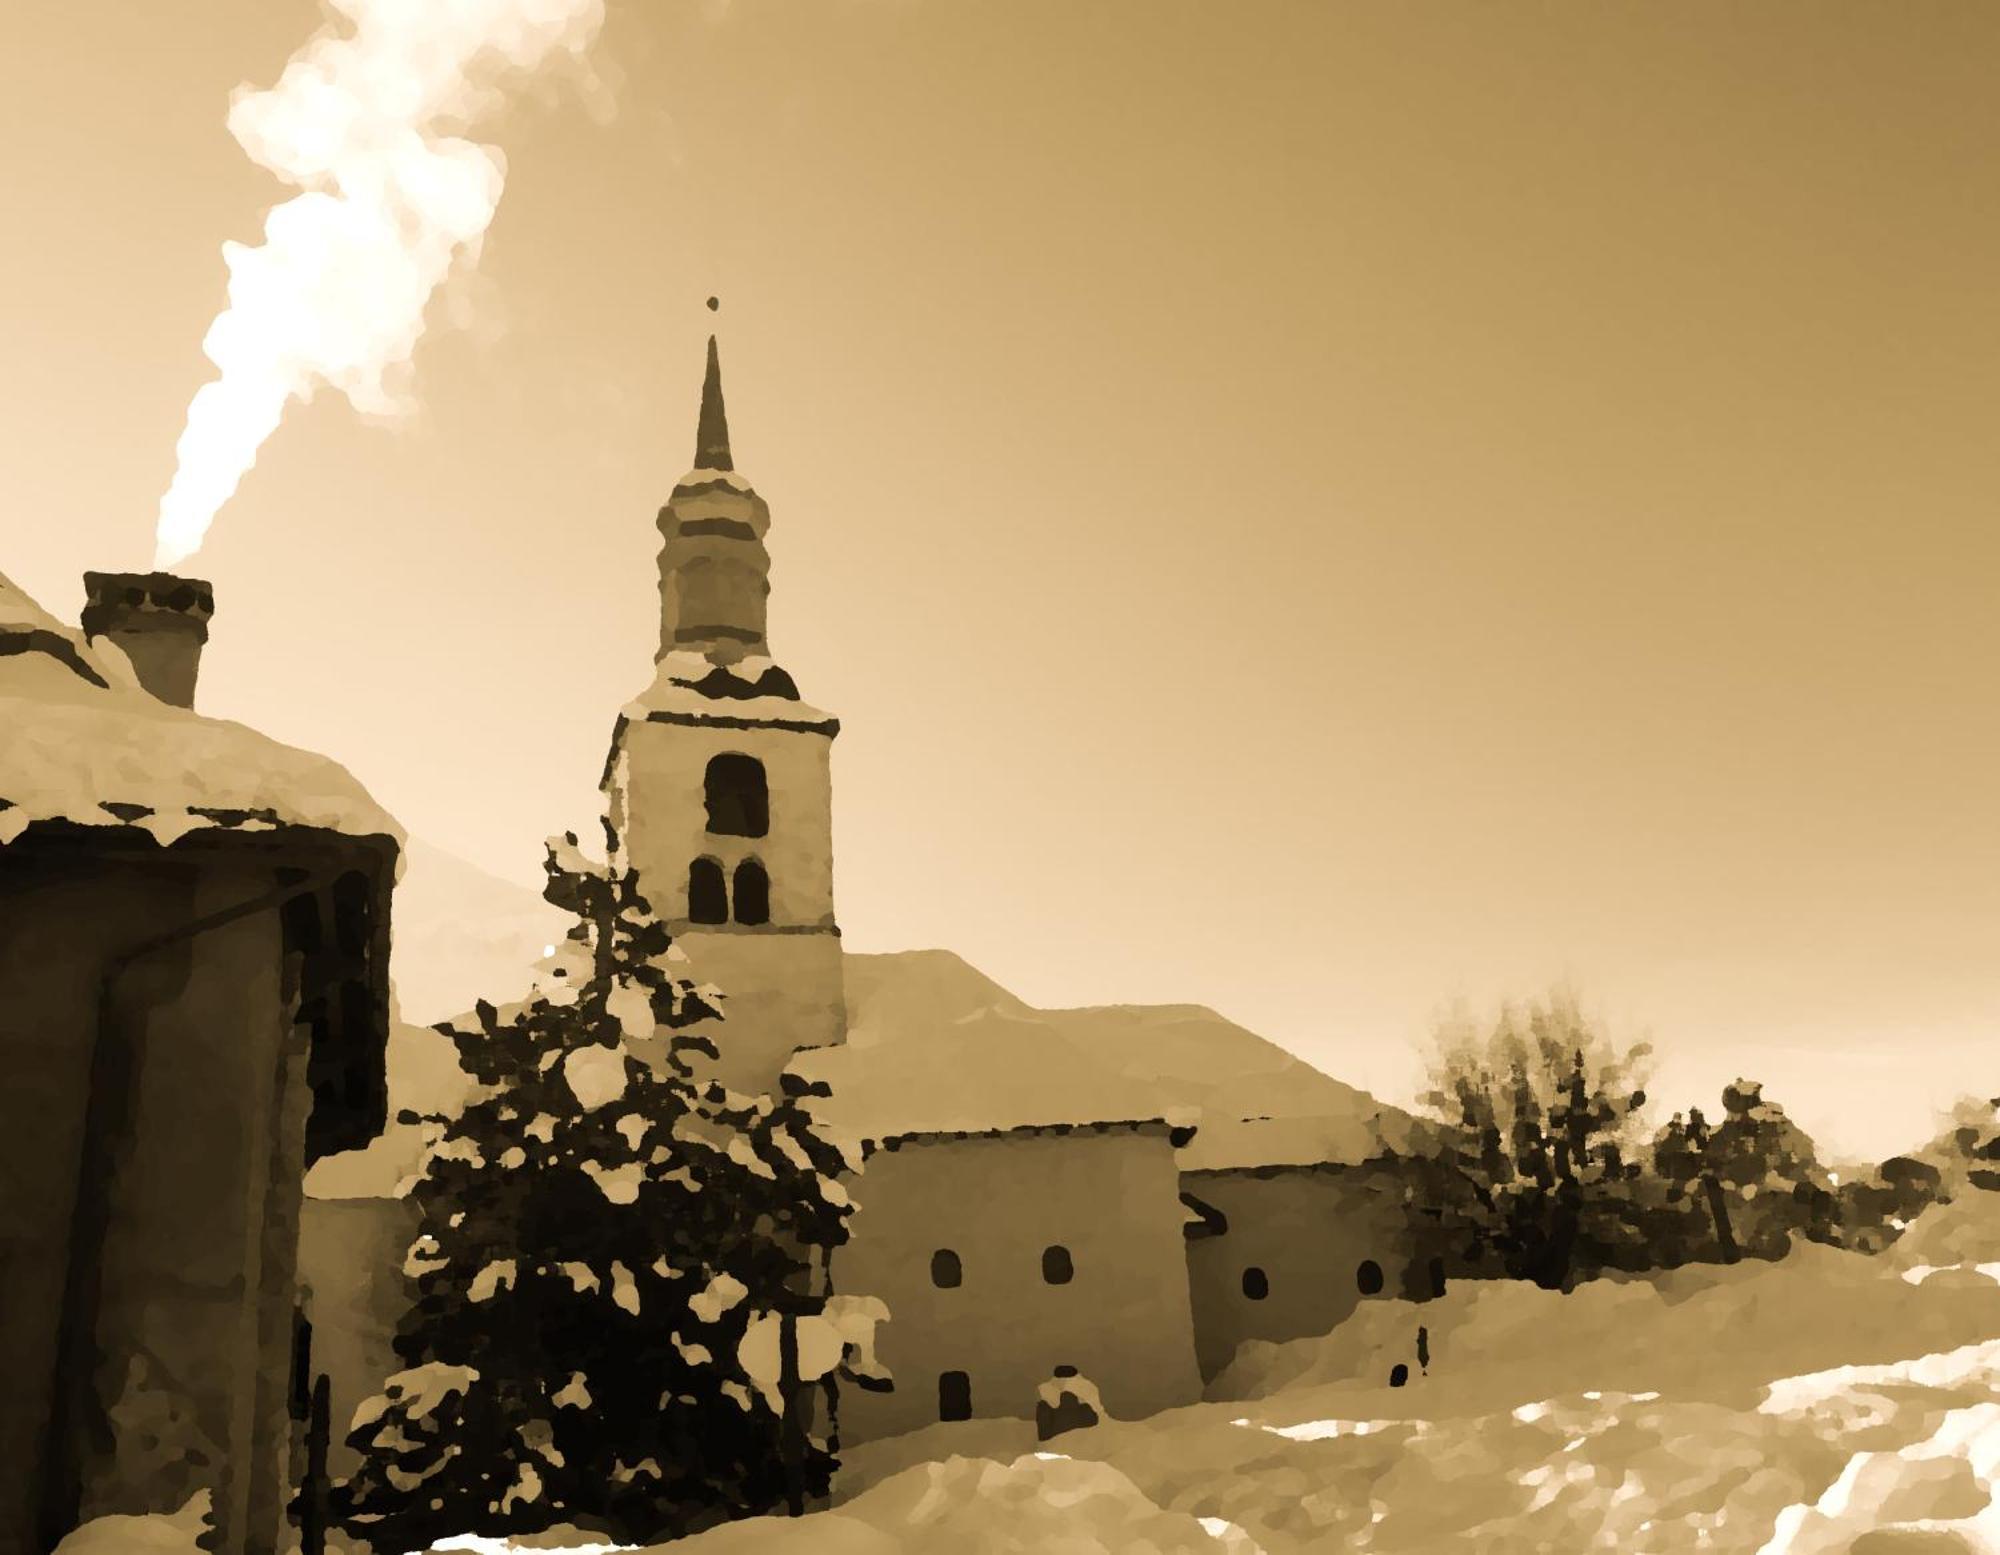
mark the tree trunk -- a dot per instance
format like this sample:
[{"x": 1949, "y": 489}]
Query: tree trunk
[
  {"x": 1718, "y": 1210},
  {"x": 791, "y": 1432}
]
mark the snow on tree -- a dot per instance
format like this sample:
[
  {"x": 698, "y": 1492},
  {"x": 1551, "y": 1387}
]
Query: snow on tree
[{"x": 601, "y": 1228}]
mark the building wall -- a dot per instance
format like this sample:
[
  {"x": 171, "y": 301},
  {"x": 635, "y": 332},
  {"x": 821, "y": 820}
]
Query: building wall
[
  {"x": 1111, "y": 1198},
  {"x": 351, "y": 1254},
  {"x": 1307, "y": 1230},
  {"x": 782, "y": 979},
  {"x": 202, "y": 1099}
]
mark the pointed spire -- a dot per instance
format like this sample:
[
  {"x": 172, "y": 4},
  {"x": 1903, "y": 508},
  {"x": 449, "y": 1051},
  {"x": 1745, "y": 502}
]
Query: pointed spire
[{"x": 711, "y": 439}]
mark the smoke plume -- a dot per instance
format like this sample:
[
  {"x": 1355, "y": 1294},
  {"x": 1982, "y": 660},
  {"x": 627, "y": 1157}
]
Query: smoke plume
[{"x": 365, "y": 122}]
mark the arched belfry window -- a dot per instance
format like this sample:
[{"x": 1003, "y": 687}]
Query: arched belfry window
[
  {"x": 708, "y": 892},
  {"x": 753, "y": 893},
  {"x": 739, "y": 801}
]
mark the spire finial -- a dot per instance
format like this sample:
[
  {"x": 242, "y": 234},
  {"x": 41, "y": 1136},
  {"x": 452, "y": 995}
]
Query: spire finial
[{"x": 711, "y": 439}]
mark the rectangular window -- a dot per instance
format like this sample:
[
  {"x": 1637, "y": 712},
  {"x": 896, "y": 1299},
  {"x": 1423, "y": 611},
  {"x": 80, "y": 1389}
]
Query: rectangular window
[{"x": 954, "y": 1396}]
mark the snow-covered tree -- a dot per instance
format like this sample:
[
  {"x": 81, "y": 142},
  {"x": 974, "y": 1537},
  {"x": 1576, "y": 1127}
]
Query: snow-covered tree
[{"x": 609, "y": 1245}]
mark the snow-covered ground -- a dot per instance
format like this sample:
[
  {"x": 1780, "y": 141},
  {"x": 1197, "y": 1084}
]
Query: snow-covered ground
[
  {"x": 1825, "y": 1404},
  {"x": 1831, "y": 1404}
]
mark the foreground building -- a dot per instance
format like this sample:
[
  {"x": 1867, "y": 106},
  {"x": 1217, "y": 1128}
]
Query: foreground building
[{"x": 194, "y": 933}]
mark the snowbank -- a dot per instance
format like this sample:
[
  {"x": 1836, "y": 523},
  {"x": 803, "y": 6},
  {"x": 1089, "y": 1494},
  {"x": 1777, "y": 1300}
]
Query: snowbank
[
  {"x": 173, "y": 1533},
  {"x": 1704, "y": 1331},
  {"x": 1823, "y": 1406},
  {"x": 1961, "y": 1234},
  {"x": 1043, "y": 1502}
]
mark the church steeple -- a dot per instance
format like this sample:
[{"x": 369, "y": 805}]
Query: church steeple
[
  {"x": 714, "y": 569},
  {"x": 718, "y": 789},
  {"x": 711, "y": 438}
]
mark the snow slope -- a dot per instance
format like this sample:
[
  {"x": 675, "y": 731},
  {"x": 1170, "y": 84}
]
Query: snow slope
[{"x": 462, "y": 934}]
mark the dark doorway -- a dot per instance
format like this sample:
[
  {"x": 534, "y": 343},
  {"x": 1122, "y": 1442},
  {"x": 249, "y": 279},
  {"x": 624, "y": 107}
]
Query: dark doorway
[
  {"x": 1256, "y": 1285},
  {"x": 1057, "y": 1268},
  {"x": 954, "y": 1396},
  {"x": 1368, "y": 1278},
  {"x": 947, "y": 1273}
]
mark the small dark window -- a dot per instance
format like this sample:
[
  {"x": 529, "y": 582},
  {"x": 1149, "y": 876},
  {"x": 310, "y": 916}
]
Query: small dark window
[
  {"x": 739, "y": 803},
  {"x": 753, "y": 893},
  {"x": 947, "y": 1273},
  {"x": 708, "y": 895},
  {"x": 1398, "y": 1375},
  {"x": 954, "y": 1396},
  {"x": 1255, "y": 1285},
  {"x": 1056, "y": 1266},
  {"x": 1437, "y": 1277},
  {"x": 1368, "y": 1278}
]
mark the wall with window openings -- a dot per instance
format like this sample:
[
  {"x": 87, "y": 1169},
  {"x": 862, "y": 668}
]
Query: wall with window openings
[
  {"x": 694, "y": 805},
  {"x": 1004, "y": 1256},
  {"x": 731, "y": 832},
  {"x": 1303, "y": 1246}
]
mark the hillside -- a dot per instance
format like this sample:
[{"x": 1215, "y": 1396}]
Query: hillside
[{"x": 462, "y": 934}]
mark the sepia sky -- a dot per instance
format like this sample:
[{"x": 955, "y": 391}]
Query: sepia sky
[{"x": 1318, "y": 508}]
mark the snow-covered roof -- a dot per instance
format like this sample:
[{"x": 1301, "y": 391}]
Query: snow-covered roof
[
  {"x": 993, "y": 1072},
  {"x": 86, "y": 745},
  {"x": 693, "y": 687},
  {"x": 1264, "y": 1144},
  {"x": 702, "y": 479},
  {"x": 935, "y": 1047}
]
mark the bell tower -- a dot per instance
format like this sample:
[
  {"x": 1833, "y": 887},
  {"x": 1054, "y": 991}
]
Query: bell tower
[{"x": 718, "y": 789}]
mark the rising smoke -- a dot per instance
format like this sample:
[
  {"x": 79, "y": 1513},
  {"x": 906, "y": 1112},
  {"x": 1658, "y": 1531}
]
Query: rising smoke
[{"x": 365, "y": 122}]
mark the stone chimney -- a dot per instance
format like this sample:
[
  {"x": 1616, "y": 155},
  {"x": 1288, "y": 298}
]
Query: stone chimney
[{"x": 159, "y": 620}]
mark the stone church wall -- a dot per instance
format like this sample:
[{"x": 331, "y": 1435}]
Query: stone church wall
[
  {"x": 1291, "y": 1263},
  {"x": 997, "y": 1204}
]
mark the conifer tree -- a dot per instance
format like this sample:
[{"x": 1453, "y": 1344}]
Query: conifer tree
[{"x": 600, "y": 1228}]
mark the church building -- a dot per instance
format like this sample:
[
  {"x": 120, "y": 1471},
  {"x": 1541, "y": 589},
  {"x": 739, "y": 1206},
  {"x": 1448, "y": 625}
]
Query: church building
[
  {"x": 719, "y": 795},
  {"x": 1027, "y": 1203},
  {"x": 718, "y": 787}
]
